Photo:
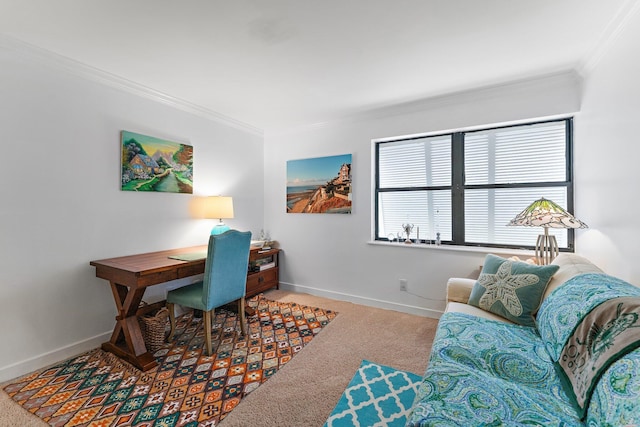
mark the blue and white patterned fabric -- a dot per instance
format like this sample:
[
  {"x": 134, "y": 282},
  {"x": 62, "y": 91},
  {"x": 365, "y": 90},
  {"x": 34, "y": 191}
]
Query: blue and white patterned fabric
[
  {"x": 488, "y": 373},
  {"x": 485, "y": 372},
  {"x": 376, "y": 396},
  {"x": 616, "y": 399},
  {"x": 566, "y": 306}
]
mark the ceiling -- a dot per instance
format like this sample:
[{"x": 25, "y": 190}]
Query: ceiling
[{"x": 280, "y": 63}]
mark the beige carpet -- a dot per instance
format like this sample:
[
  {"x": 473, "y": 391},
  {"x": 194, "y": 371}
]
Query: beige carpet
[{"x": 307, "y": 388}]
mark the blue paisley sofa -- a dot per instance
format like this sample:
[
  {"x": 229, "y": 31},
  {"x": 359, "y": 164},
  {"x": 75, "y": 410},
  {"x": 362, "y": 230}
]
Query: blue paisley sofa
[{"x": 487, "y": 371}]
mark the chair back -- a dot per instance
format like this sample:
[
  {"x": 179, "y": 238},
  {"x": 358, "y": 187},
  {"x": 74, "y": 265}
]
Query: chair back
[{"x": 225, "y": 273}]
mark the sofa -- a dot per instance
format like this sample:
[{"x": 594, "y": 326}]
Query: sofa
[{"x": 548, "y": 370}]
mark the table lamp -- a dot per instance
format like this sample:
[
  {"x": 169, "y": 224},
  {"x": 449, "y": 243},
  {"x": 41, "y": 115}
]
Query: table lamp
[
  {"x": 219, "y": 207},
  {"x": 545, "y": 213}
]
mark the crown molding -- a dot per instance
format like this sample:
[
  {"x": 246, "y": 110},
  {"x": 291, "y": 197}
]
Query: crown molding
[
  {"x": 560, "y": 79},
  {"x": 88, "y": 72},
  {"x": 610, "y": 35}
]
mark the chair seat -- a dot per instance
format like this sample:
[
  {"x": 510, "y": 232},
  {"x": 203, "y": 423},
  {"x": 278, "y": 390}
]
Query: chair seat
[{"x": 190, "y": 296}]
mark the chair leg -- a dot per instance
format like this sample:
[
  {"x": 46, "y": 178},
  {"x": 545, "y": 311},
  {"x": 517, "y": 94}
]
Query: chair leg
[
  {"x": 172, "y": 319},
  {"x": 207, "y": 330},
  {"x": 243, "y": 320}
]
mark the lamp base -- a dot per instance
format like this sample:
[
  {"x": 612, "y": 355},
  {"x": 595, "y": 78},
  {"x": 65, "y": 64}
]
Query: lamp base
[
  {"x": 220, "y": 228},
  {"x": 546, "y": 248}
]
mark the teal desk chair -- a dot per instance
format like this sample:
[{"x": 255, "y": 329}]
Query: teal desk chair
[{"x": 225, "y": 281}]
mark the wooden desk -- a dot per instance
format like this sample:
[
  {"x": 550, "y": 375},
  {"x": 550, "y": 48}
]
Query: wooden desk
[{"x": 129, "y": 276}]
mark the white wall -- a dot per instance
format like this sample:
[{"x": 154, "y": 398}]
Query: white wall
[
  {"x": 329, "y": 255},
  {"x": 607, "y": 153},
  {"x": 61, "y": 205}
]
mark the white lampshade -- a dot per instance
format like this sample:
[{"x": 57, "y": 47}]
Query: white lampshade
[{"x": 218, "y": 207}]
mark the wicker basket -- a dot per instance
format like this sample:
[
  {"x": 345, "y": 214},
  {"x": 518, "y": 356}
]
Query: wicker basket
[{"x": 154, "y": 327}]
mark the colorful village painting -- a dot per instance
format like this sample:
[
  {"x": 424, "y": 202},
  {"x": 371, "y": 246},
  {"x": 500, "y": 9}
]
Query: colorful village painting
[
  {"x": 152, "y": 164},
  {"x": 319, "y": 185}
]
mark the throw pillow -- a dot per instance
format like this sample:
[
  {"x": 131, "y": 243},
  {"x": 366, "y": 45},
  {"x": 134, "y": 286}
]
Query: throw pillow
[{"x": 511, "y": 289}]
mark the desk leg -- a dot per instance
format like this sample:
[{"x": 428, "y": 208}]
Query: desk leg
[{"x": 126, "y": 340}]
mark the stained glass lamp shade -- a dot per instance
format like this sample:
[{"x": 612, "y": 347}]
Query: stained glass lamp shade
[
  {"x": 547, "y": 214},
  {"x": 219, "y": 207}
]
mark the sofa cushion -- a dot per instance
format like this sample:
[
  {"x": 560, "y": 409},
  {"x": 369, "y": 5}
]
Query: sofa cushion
[
  {"x": 511, "y": 289},
  {"x": 459, "y": 289},
  {"x": 485, "y": 372},
  {"x": 571, "y": 265}
]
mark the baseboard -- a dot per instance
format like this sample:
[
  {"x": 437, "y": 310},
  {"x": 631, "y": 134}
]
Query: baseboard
[
  {"x": 21, "y": 368},
  {"x": 372, "y": 302}
]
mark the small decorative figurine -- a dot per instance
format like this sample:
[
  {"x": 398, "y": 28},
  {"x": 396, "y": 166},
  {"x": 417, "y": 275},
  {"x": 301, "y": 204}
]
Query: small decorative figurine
[{"x": 407, "y": 229}]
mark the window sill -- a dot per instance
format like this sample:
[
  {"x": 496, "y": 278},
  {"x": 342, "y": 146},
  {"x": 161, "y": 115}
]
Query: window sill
[{"x": 523, "y": 253}]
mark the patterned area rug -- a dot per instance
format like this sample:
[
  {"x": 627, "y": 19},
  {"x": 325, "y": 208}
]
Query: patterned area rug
[
  {"x": 376, "y": 396},
  {"x": 187, "y": 388}
]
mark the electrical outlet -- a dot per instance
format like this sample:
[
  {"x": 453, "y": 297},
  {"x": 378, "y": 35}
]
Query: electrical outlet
[{"x": 403, "y": 285}]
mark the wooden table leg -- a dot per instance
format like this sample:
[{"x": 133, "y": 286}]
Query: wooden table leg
[{"x": 126, "y": 340}]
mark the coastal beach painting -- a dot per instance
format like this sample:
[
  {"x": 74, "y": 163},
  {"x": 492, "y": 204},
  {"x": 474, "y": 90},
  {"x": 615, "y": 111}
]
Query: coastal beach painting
[
  {"x": 319, "y": 185},
  {"x": 153, "y": 164}
]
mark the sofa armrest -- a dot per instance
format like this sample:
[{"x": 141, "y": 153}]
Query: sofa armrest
[{"x": 459, "y": 289}]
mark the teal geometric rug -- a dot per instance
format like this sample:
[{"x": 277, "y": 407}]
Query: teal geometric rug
[{"x": 376, "y": 396}]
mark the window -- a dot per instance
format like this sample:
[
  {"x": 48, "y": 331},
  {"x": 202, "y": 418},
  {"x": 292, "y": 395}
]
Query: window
[{"x": 468, "y": 185}]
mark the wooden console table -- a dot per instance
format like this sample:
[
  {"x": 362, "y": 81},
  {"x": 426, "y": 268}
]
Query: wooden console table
[{"x": 129, "y": 276}]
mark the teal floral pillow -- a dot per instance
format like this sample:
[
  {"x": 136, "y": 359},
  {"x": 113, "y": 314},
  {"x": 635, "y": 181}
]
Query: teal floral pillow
[{"x": 511, "y": 289}]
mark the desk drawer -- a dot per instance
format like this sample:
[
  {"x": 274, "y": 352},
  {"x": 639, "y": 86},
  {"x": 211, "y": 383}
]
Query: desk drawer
[
  {"x": 190, "y": 270},
  {"x": 261, "y": 281}
]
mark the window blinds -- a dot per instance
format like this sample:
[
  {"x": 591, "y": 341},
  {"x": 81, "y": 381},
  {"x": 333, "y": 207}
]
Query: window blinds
[{"x": 503, "y": 170}]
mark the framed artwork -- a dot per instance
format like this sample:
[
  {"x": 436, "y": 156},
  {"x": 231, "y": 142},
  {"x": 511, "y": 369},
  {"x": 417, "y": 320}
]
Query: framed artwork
[
  {"x": 319, "y": 185},
  {"x": 153, "y": 164}
]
